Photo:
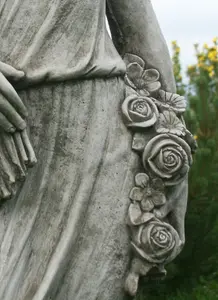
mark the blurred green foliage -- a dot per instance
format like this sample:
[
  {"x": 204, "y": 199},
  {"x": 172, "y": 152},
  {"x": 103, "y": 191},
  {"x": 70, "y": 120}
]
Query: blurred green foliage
[{"x": 194, "y": 274}]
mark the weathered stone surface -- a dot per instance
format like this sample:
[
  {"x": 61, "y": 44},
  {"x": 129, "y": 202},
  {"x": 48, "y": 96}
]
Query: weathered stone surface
[{"x": 63, "y": 88}]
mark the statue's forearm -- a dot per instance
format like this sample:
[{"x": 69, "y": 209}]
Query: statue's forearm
[
  {"x": 153, "y": 110},
  {"x": 135, "y": 29}
]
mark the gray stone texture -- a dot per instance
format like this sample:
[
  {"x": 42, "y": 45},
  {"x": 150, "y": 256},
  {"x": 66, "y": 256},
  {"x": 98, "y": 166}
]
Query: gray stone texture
[{"x": 63, "y": 233}]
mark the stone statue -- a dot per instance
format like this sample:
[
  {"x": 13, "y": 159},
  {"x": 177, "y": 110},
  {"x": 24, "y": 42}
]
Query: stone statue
[{"x": 94, "y": 152}]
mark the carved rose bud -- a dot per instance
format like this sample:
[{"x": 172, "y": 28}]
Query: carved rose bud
[
  {"x": 157, "y": 242},
  {"x": 168, "y": 157},
  {"x": 139, "y": 111}
]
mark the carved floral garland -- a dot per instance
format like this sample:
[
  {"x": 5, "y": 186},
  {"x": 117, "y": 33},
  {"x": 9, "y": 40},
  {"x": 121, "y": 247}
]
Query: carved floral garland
[{"x": 166, "y": 158}]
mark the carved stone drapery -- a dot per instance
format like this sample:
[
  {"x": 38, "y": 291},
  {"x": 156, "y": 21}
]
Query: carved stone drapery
[{"x": 165, "y": 147}]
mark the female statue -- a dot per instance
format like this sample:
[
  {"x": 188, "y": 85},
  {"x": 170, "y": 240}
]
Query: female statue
[{"x": 63, "y": 232}]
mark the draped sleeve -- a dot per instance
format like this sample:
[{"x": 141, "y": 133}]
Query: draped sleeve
[{"x": 135, "y": 30}]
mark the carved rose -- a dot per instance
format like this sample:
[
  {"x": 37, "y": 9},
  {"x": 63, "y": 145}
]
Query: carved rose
[
  {"x": 139, "y": 111},
  {"x": 144, "y": 82},
  {"x": 167, "y": 157},
  {"x": 157, "y": 242}
]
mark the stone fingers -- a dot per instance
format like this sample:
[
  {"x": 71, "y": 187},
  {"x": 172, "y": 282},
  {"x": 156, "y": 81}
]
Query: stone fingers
[
  {"x": 11, "y": 73},
  {"x": 9, "y": 116},
  {"x": 7, "y": 90},
  {"x": 6, "y": 125},
  {"x": 28, "y": 147}
]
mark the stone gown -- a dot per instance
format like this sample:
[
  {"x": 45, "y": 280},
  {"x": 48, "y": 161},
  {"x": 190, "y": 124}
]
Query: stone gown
[{"x": 63, "y": 236}]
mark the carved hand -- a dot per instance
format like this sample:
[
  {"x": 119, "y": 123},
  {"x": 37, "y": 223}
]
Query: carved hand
[
  {"x": 16, "y": 151},
  {"x": 12, "y": 109}
]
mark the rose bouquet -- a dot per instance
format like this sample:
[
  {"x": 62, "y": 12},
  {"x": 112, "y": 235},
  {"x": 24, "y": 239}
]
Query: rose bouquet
[{"x": 165, "y": 147}]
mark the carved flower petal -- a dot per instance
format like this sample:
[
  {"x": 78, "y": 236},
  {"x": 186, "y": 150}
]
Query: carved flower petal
[
  {"x": 179, "y": 103},
  {"x": 136, "y": 216},
  {"x": 137, "y": 117},
  {"x": 134, "y": 72},
  {"x": 141, "y": 105},
  {"x": 129, "y": 83},
  {"x": 179, "y": 130},
  {"x": 136, "y": 194},
  {"x": 158, "y": 198},
  {"x": 184, "y": 170},
  {"x": 157, "y": 171},
  {"x": 125, "y": 107},
  {"x": 176, "y": 102},
  {"x": 141, "y": 180},
  {"x": 131, "y": 58},
  {"x": 151, "y": 75},
  {"x": 147, "y": 205},
  {"x": 143, "y": 93},
  {"x": 144, "y": 124},
  {"x": 161, "y": 105},
  {"x": 168, "y": 122},
  {"x": 162, "y": 129},
  {"x": 157, "y": 184},
  {"x": 147, "y": 257},
  {"x": 153, "y": 86}
]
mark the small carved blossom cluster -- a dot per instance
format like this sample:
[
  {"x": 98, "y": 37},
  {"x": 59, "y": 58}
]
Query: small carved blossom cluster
[
  {"x": 168, "y": 154},
  {"x": 146, "y": 104}
]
